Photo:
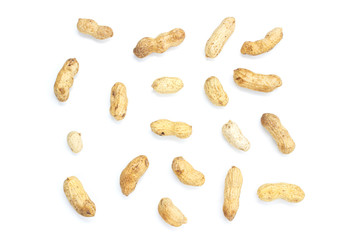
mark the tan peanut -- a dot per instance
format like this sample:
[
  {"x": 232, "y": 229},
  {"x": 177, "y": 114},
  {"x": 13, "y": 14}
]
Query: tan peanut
[
  {"x": 219, "y": 37},
  {"x": 278, "y": 132},
  {"x": 170, "y": 213},
  {"x": 254, "y": 81},
  {"x": 64, "y": 80},
  {"x": 89, "y": 26},
  {"x": 186, "y": 173},
  {"x": 119, "y": 101},
  {"x": 167, "y": 85},
  {"x": 272, "y": 191},
  {"x": 159, "y": 44},
  {"x": 74, "y": 141},
  {"x": 271, "y": 39},
  {"x": 234, "y": 136},
  {"x": 215, "y": 92},
  {"x": 233, "y": 183},
  {"x": 78, "y": 197},
  {"x": 132, "y": 173},
  {"x": 164, "y": 127}
]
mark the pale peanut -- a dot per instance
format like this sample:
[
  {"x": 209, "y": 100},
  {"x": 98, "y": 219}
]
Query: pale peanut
[
  {"x": 254, "y": 81},
  {"x": 164, "y": 127},
  {"x": 74, "y": 141},
  {"x": 170, "y": 213},
  {"x": 233, "y": 183},
  {"x": 186, "y": 173},
  {"x": 89, "y": 26},
  {"x": 289, "y": 192},
  {"x": 215, "y": 92},
  {"x": 167, "y": 85},
  {"x": 234, "y": 136},
  {"x": 64, "y": 80},
  {"x": 119, "y": 101}
]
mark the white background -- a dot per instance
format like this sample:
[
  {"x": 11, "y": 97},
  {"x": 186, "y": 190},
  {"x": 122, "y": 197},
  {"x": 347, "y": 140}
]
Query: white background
[{"x": 317, "y": 104}]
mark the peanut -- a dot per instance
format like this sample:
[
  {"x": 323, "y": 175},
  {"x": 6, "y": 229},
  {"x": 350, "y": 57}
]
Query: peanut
[
  {"x": 271, "y": 39},
  {"x": 234, "y": 136},
  {"x": 164, "y": 127},
  {"x": 64, "y": 80},
  {"x": 74, "y": 141},
  {"x": 186, "y": 173},
  {"x": 119, "y": 101},
  {"x": 233, "y": 183},
  {"x": 289, "y": 192},
  {"x": 170, "y": 213},
  {"x": 132, "y": 173},
  {"x": 279, "y": 133},
  {"x": 159, "y": 44},
  {"x": 215, "y": 92},
  {"x": 78, "y": 197},
  {"x": 89, "y": 26},
  {"x": 219, "y": 37},
  {"x": 167, "y": 85},
  {"x": 254, "y": 81}
]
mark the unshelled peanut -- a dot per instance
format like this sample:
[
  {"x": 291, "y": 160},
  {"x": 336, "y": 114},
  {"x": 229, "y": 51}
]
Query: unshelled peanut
[
  {"x": 78, "y": 197},
  {"x": 254, "y": 81},
  {"x": 119, "y": 101},
  {"x": 170, "y": 213},
  {"x": 164, "y": 127},
  {"x": 186, "y": 173},
  {"x": 132, "y": 173},
  {"x": 278, "y": 132},
  {"x": 234, "y": 136},
  {"x": 233, "y": 183},
  {"x": 289, "y": 192},
  {"x": 89, "y": 26},
  {"x": 64, "y": 80},
  {"x": 215, "y": 92},
  {"x": 167, "y": 85},
  {"x": 74, "y": 141}
]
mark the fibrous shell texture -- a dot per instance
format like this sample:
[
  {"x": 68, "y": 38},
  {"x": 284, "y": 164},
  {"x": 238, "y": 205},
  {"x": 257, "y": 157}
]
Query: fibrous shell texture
[
  {"x": 254, "y": 81},
  {"x": 164, "y": 127},
  {"x": 186, "y": 173},
  {"x": 289, "y": 192},
  {"x": 74, "y": 141},
  {"x": 215, "y": 92},
  {"x": 119, "y": 101},
  {"x": 167, "y": 85},
  {"x": 89, "y": 26},
  {"x": 233, "y": 183},
  {"x": 234, "y": 136},
  {"x": 64, "y": 80},
  {"x": 170, "y": 213}
]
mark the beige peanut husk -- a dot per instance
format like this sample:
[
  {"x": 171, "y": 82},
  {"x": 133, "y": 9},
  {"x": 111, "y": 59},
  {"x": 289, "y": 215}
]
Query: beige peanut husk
[
  {"x": 119, "y": 101},
  {"x": 89, "y": 26},
  {"x": 271, "y": 39},
  {"x": 64, "y": 80},
  {"x": 132, "y": 173},
  {"x": 74, "y": 140},
  {"x": 170, "y": 213},
  {"x": 186, "y": 173},
  {"x": 234, "y": 136},
  {"x": 78, "y": 197},
  {"x": 278, "y": 132},
  {"x": 215, "y": 92},
  {"x": 289, "y": 192},
  {"x": 233, "y": 183},
  {"x": 255, "y": 81},
  {"x": 219, "y": 37},
  {"x": 167, "y": 85},
  {"x": 160, "y": 44},
  {"x": 164, "y": 127}
]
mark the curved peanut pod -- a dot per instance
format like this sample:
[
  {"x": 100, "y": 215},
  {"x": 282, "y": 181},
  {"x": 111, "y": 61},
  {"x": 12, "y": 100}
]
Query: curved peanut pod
[
  {"x": 159, "y": 44},
  {"x": 271, "y": 39},
  {"x": 289, "y": 192},
  {"x": 167, "y": 85},
  {"x": 254, "y": 81},
  {"x": 164, "y": 127},
  {"x": 119, "y": 101},
  {"x": 186, "y": 173},
  {"x": 215, "y": 92},
  {"x": 132, "y": 173},
  {"x": 170, "y": 213},
  {"x": 89, "y": 26},
  {"x": 233, "y": 183},
  {"x": 64, "y": 80},
  {"x": 234, "y": 136},
  {"x": 219, "y": 37},
  {"x": 279, "y": 133},
  {"x": 78, "y": 197}
]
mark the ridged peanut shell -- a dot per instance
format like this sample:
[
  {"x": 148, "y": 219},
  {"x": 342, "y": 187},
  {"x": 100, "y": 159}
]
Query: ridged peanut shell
[
  {"x": 74, "y": 141},
  {"x": 90, "y": 27},
  {"x": 255, "y": 81},
  {"x": 186, "y": 173},
  {"x": 167, "y": 85},
  {"x": 170, "y": 213},
  {"x": 234, "y": 136},
  {"x": 64, "y": 80},
  {"x": 164, "y": 127},
  {"x": 119, "y": 101},
  {"x": 272, "y": 191},
  {"x": 233, "y": 183},
  {"x": 215, "y": 92}
]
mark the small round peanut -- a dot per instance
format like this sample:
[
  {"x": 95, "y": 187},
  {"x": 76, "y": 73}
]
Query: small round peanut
[
  {"x": 215, "y": 92},
  {"x": 186, "y": 173},
  {"x": 170, "y": 213},
  {"x": 74, "y": 140},
  {"x": 272, "y": 191},
  {"x": 167, "y": 85}
]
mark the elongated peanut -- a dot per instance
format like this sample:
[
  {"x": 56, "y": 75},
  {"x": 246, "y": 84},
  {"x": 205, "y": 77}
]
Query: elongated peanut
[
  {"x": 74, "y": 141},
  {"x": 186, "y": 173},
  {"x": 164, "y": 127},
  {"x": 132, "y": 173},
  {"x": 159, "y": 44},
  {"x": 119, "y": 101},
  {"x": 272, "y": 191},
  {"x": 78, "y": 197},
  {"x": 89, "y": 26},
  {"x": 167, "y": 85},
  {"x": 219, "y": 37},
  {"x": 278, "y": 132},
  {"x": 233, "y": 183},
  {"x": 234, "y": 136},
  {"x": 64, "y": 80},
  {"x": 170, "y": 213},
  {"x": 254, "y": 81},
  {"x": 215, "y": 92},
  {"x": 271, "y": 39}
]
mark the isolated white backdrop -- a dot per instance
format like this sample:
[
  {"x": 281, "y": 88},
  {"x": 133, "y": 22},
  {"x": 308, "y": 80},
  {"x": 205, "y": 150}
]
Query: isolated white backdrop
[{"x": 317, "y": 103}]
